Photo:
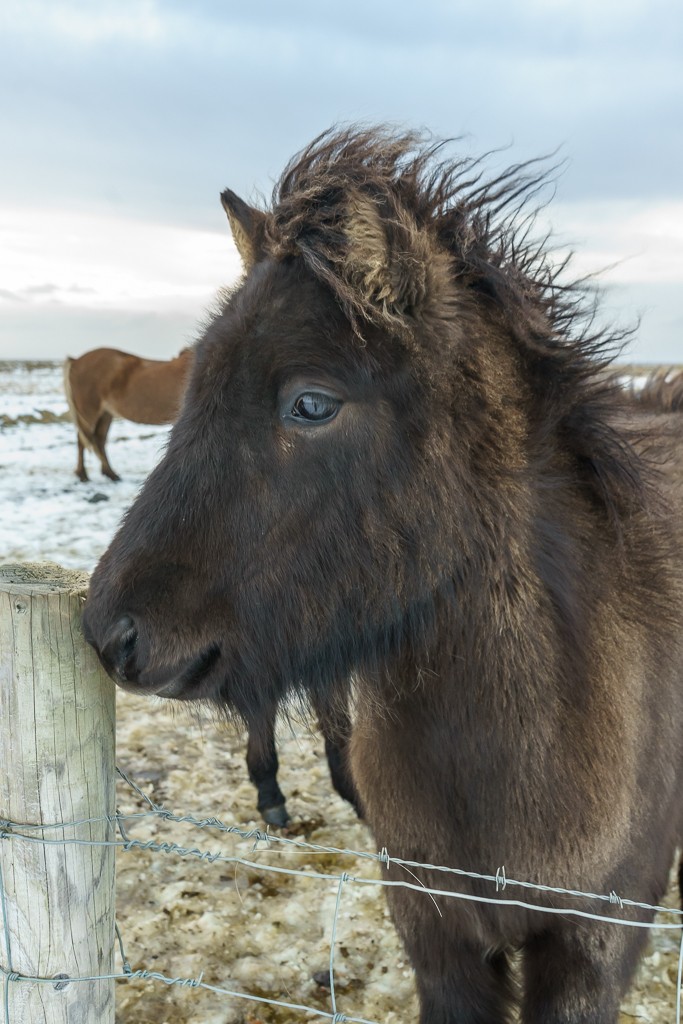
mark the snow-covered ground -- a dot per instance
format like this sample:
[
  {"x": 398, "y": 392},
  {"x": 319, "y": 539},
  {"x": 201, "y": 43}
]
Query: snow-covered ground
[{"x": 243, "y": 928}]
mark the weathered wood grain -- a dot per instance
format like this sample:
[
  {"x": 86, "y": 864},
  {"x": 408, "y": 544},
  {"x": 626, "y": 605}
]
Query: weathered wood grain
[{"x": 56, "y": 765}]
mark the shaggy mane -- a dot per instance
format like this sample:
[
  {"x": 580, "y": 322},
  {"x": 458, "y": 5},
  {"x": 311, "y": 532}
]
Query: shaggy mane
[{"x": 485, "y": 226}]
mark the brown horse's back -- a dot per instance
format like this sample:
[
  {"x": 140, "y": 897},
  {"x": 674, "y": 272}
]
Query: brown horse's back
[
  {"x": 150, "y": 391},
  {"x": 141, "y": 390}
]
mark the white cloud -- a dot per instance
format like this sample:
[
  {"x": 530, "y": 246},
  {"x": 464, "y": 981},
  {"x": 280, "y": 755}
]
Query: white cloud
[
  {"x": 101, "y": 262},
  {"x": 104, "y": 262},
  {"x": 85, "y": 22},
  {"x": 69, "y": 278},
  {"x": 587, "y": 12},
  {"x": 632, "y": 242}
]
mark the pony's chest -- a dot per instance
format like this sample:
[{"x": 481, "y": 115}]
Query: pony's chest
[{"x": 473, "y": 798}]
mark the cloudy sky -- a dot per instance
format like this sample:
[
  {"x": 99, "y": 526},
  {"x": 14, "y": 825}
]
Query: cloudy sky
[{"x": 121, "y": 121}]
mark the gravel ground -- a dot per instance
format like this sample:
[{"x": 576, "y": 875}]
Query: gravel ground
[{"x": 253, "y": 931}]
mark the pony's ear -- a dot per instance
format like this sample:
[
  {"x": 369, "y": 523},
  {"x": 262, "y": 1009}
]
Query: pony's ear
[
  {"x": 248, "y": 227},
  {"x": 392, "y": 262}
]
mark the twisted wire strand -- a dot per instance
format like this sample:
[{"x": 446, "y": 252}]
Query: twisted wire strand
[{"x": 11, "y": 831}]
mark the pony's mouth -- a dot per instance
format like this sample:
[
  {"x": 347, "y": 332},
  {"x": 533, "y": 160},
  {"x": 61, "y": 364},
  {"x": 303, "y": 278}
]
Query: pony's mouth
[{"x": 184, "y": 683}]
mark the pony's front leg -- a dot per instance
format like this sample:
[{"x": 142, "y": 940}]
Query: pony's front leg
[
  {"x": 461, "y": 982},
  {"x": 578, "y": 976},
  {"x": 335, "y": 726}
]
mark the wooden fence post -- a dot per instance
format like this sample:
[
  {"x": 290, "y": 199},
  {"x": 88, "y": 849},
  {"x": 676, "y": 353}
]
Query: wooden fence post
[{"x": 56, "y": 765}]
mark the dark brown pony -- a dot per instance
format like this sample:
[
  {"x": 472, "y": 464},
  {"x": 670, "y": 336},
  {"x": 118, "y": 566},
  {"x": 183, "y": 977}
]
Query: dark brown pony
[
  {"x": 105, "y": 383},
  {"x": 401, "y": 473}
]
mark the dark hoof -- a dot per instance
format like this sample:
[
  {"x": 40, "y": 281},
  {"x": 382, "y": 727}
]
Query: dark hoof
[
  {"x": 322, "y": 978},
  {"x": 112, "y": 476},
  {"x": 276, "y": 816},
  {"x": 83, "y": 477}
]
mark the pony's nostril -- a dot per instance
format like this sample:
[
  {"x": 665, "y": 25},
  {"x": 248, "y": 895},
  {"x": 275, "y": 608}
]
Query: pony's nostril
[{"x": 118, "y": 653}]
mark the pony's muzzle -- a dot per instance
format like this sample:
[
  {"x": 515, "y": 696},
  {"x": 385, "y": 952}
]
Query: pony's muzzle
[{"x": 125, "y": 654}]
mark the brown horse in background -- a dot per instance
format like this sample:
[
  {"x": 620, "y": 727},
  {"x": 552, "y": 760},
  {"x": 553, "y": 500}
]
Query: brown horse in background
[{"x": 106, "y": 382}]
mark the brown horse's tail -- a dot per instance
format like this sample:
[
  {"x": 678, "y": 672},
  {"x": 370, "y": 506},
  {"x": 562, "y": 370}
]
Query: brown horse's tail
[{"x": 80, "y": 424}]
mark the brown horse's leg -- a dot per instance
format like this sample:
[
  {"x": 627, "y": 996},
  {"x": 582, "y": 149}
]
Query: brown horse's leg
[
  {"x": 99, "y": 437},
  {"x": 262, "y": 764},
  {"x": 335, "y": 725},
  {"x": 579, "y": 975},
  {"x": 80, "y": 465}
]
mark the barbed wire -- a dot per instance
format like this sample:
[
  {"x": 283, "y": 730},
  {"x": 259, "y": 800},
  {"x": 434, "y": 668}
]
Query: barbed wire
[{"x": 264, "y": 840}]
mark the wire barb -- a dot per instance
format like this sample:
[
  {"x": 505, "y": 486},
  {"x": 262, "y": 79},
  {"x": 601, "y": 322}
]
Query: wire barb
[{"x": 384, "y": 858}]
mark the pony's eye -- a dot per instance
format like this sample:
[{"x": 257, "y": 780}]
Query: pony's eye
[{"x": 315, "y": 407}]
